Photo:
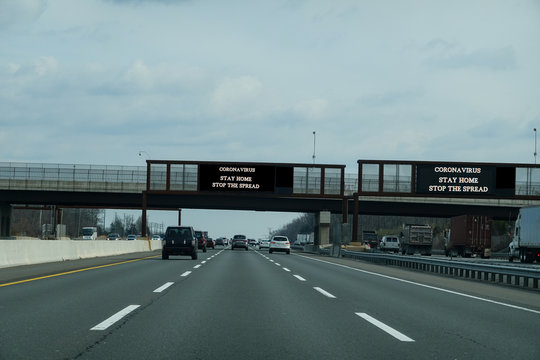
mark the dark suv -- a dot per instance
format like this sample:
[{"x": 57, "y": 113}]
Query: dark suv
[
  {"x": 179, "y": 240},
  {"x": 239, "y": 241},
  {"x": 201, "y": 240}
]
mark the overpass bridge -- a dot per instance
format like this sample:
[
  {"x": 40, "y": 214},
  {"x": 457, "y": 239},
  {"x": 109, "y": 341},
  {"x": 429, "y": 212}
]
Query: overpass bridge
[{"x": 377, "y": 187}]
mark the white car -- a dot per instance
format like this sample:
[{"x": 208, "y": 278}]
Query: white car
[
  {"x": 279, "y": 243},
  {"x": 265, "y": 243}
]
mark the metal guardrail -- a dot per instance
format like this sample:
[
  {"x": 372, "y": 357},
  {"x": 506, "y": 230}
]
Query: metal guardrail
[{"x": 511, "y": 275}]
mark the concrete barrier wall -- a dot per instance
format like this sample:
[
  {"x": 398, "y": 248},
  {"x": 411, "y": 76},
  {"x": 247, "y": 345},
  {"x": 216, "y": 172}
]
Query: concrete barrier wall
[{"x": 25, "y": 252}]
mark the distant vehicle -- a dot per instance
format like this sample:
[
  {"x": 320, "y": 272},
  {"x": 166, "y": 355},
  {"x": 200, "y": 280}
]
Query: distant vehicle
[
  {"x": 156, "y": 237},
  {"x": 416, "y": 238},
  {"x": 201, "y": 240},
  {"x": 220, "y": 241},
  {"x": 89, "y": 233},
  {"x": 526, "y": 244},
  {"x": 297, "y": 245},
  {"x": 210, "y": 243},
  {"x": 239, "y": 241},
  {"x": 252, "y": 242},
  {"x": 131, "y": 237},
  {"x": 370, "y": 237},
  {"x": 389, "y": 243},
  {"x": 303, "y": 239},
  {"x": 264, "y": 243},
  {"x": 468, "y": 235},
  {"x": 114, "y": 236},
  {"x": 179, "y": 240},
  {"x": 279, "y": 243}
]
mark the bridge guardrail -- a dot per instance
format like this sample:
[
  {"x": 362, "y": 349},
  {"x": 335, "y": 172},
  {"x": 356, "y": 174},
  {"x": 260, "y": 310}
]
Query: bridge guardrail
[
  {"x": 112, "y": 178},
  {"x": 511, "y": 275}
]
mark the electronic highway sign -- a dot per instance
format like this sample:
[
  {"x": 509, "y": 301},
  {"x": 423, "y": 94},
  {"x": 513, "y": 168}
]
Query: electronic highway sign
[
  {"x": 245, "y": 177},
  {"x": 465, "y": 180}
]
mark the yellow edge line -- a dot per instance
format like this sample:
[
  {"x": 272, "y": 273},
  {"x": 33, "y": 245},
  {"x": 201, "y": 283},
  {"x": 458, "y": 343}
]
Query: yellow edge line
[{"x": 75, "y": 271}]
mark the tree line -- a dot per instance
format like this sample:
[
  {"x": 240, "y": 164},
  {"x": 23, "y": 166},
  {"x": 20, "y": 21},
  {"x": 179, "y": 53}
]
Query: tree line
[{"x": 38, "y": 223}]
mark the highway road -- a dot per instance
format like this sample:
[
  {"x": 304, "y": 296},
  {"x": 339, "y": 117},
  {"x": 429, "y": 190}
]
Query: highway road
[{"x": 254, "y": 305}]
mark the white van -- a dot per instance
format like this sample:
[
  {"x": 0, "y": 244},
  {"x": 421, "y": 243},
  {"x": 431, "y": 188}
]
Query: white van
[{"x": 389, "y": 243}]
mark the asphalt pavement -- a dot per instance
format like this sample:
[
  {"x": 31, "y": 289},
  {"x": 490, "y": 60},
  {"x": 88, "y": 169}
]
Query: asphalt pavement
[{"x": 254, "y": 305}]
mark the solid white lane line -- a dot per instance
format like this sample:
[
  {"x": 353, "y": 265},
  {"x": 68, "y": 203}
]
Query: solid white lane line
[
  {"x": 163, "y": 287},
  {"x": 287, "y": 270},
  {"x": 299, "y": 277},
  {"x": 116, "y": 317},
  {"x": 324, "y": 292},
  {"x": 186, "y": 273},
  {"x": 428, "y": 286},
  {"x": 385, "y": 328},
  {"x": 197, "y": 266}
]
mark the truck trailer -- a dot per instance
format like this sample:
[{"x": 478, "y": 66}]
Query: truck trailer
[
  {"x": 416, "y": 238},
  {"x": 525, "y": 244},
  {"x": 468, "y": 235}
]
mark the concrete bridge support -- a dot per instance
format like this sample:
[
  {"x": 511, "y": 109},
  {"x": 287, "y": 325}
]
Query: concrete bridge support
[
  {"x": 322, "y": 231},
  {"x": 5, "y": 220}
]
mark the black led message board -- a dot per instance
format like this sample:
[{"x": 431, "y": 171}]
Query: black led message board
[
  {"x": 230, "y": 177},
  {"x": 465, "y": 180}
]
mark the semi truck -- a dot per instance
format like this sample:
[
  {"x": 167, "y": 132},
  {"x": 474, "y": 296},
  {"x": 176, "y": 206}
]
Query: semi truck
[
  {"x": 89, "y": 233},
  {"x": 468, "y": 235},
  {"x": 416, "y": 238},
  {"x": 525, "y": 244}
]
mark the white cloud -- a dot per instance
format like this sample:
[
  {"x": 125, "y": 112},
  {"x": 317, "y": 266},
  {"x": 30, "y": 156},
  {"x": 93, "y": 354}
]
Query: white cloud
[
  {"x": 313, "y": 109},
  {"x": 45, "y": 65},
  {"x": 18, "y": 13},
  {"x": 236, "y": 96},
  {"x": 493, "y": 59}
]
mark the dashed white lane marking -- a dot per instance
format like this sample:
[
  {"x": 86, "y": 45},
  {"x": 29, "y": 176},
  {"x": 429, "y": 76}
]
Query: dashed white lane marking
[
  {"x": 203, "y": 262},
  {"x": 277, "y": 264},
  {"x": 163, "y": 287},
  {"x": 427, "y": 286},
  {"x": 197, "y": 266},
  {"x": 324, "y": 292},
  {"x": 385, "y": 328},
  {"x": 116, "y": 317},
  {"x": 299, "y": 277},
  {"x": 287, "y": 270},
  {"x": 186, "y": 273}
]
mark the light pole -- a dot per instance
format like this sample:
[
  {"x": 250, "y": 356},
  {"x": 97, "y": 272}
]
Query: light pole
[
  {"x": 313, "y": 147},
  {"x": 534, "y": 145}
]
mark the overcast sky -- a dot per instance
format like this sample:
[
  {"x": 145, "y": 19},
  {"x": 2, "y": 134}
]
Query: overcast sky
[{"x": 97, "y": 81}]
